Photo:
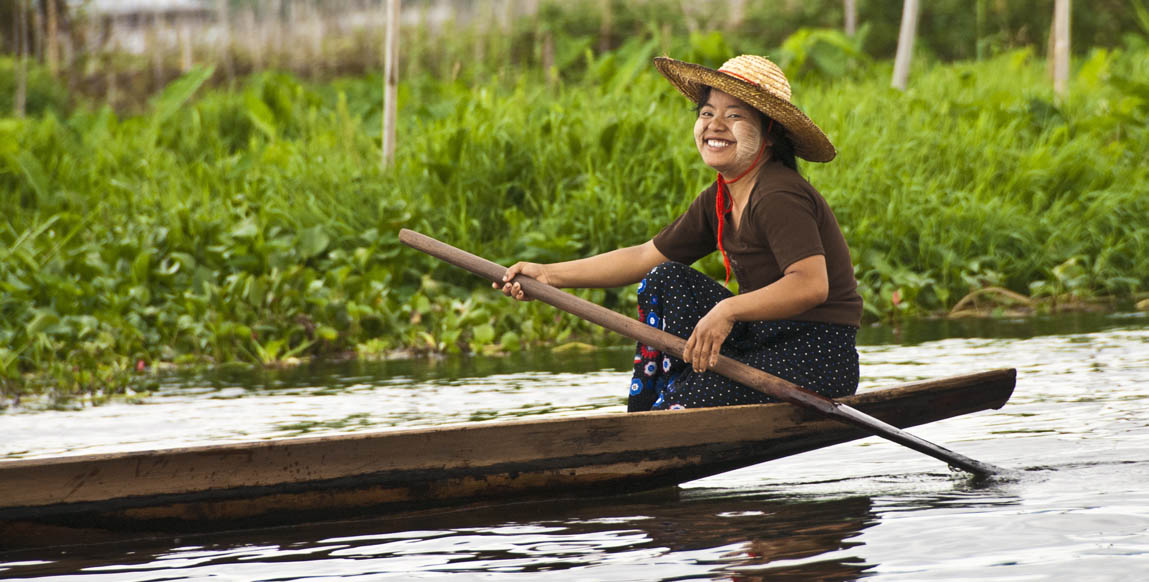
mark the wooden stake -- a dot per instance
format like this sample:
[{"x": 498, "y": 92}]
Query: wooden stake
[
  {"x": 851, "y": 9},
  {"x": 1061, "y": 48},
  {"x": 905, "y": 44},
  {"x": 19, "y": 102},
  {"x": 390, "y": 81},
  {"x": 51, "y": 49}
]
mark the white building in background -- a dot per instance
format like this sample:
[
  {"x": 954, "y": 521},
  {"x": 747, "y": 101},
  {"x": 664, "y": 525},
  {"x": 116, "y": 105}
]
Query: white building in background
[
  {"x": 135, "y": 7},
  {"x": 134, "y": 26},
  {"x": 143, "y": 26}
]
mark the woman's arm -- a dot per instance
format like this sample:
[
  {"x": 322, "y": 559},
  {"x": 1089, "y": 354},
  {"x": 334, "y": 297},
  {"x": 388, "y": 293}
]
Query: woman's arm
[
  {"x": 610, "y": 269},
  {"x": 804, "y": 285}
]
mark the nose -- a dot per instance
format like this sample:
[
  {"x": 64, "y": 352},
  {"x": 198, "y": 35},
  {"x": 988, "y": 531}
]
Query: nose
[{"x": 716, "y": 123}]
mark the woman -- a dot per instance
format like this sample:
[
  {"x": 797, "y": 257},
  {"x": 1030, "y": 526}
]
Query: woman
[{"x": 797, "y": 312}]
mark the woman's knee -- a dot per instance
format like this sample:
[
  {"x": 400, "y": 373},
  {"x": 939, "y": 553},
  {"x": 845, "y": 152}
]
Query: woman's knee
[
  {"x": 662, "y": 272},
  {"x": 669, "y": 268}
]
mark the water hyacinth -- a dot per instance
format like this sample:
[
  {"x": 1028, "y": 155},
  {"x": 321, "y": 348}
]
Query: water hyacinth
[{"x": 254, "y": 224}]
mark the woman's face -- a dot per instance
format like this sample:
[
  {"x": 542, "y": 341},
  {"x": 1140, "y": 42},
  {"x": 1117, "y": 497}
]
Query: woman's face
[{"x": 728, "y": 133}]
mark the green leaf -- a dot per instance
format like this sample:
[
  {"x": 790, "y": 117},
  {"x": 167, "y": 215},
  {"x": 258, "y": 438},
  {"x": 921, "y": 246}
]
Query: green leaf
[
  {"x": 510, "y": 342},
  {"x": 313, "y": 241},
  {"x": 483, "y": 334},
  {"x": 34, "y": 173},
  {"x": 177, "y": 93},
  {"x": 260, "y": 115},
  {"x": 42, "y": 321},
  {"x": 141, "y": 266},
  {"x": 246, "y": 229}
]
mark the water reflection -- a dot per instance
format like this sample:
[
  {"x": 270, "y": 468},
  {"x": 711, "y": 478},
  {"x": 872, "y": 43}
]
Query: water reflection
[
  {"x": 914, "y": 332},
  {"x": 711, "y": 534}
]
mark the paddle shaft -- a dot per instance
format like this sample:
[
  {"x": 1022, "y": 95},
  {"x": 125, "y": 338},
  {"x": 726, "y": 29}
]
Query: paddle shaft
[{"x": 670, "y": 343}]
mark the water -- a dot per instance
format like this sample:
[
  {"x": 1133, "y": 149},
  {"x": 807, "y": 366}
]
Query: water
[{"x": 1076, "y": 429}]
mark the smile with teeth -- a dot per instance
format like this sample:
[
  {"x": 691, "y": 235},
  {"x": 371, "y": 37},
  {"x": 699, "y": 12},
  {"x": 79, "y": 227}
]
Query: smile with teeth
[{"x": 717, "y": 143}]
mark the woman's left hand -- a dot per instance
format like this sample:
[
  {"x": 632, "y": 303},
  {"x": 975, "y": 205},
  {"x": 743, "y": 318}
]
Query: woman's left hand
[{"x": 702, "y": 348}]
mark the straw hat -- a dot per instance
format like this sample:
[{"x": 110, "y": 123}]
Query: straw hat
[{"x": 761, "y": 84}]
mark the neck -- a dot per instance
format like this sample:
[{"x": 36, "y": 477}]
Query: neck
[
  {"x": 743, "y": 180},
  {"x": 751, "y": 172}
]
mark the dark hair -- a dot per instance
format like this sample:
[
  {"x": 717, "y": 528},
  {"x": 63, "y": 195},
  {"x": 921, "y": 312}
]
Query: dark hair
[{"x": 783, "y": 148}]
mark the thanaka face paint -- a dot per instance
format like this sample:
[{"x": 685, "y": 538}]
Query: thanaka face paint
[{"x": 728, "y": 133}]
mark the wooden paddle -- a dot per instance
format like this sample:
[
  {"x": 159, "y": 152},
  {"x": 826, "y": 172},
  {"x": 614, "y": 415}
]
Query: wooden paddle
[{"x": 667, "y": 342}]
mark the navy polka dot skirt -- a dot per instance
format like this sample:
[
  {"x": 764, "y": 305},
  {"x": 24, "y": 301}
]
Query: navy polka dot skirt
[{"x": 821, "y": 357}]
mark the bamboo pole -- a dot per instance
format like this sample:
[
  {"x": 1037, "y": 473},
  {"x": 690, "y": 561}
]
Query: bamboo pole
[
  {"x": 1061, "y": 48},
  {"x": 905, "y": 44},
  {"x": 851, "y": 9},
  {"x": 51, "y": 48},
  {"x": 19, "y": 102},
  {"x": 390, "y": 81}
]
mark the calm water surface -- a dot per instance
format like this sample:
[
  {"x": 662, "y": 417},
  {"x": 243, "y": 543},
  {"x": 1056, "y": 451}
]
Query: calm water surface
[{"x": 1077, "y": 429}]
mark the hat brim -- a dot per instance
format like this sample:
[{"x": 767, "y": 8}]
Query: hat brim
[{"x": 810, "y": 143}]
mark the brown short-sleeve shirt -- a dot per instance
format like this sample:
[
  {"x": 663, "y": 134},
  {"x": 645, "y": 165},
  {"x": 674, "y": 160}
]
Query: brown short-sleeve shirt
[{"x": 785, "y": 221}]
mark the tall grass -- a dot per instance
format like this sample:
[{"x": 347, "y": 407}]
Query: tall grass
[{"x": 255, "y": 224}]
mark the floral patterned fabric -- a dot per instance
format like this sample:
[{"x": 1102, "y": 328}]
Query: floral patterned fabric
[{"x": 821, "y": 357}]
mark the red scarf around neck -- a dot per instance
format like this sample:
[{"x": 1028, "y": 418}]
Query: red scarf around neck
[{"x": 720, "y": 201}]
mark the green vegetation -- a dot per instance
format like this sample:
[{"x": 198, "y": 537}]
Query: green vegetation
[{"x": 254, "y": 224}]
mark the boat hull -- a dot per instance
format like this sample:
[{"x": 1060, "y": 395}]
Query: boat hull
[{"x": 307, "y": 479}]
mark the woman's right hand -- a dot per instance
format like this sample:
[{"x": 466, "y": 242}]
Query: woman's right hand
[{"x": 515, "y": 290}]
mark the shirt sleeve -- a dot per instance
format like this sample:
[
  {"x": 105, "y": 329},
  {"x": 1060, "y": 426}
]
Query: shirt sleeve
[
  {"x": 692, "y": 235},
  {"x": 789, "y": 223}
]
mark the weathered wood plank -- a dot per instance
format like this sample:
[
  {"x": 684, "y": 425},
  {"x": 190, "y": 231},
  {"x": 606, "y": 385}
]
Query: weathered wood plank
[{"x": 321, "y": 477}]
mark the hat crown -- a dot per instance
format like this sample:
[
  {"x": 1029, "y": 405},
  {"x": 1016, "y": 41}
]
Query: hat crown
[
  {"x": 759, "y": 71},
  {"x": 759, "y": 83}
]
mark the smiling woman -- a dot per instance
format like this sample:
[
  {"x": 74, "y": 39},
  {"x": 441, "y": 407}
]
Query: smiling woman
[{"x": 797, "y": 312}]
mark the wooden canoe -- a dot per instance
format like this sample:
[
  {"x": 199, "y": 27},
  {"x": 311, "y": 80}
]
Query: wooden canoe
[{"x": 317, "y": 478}]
